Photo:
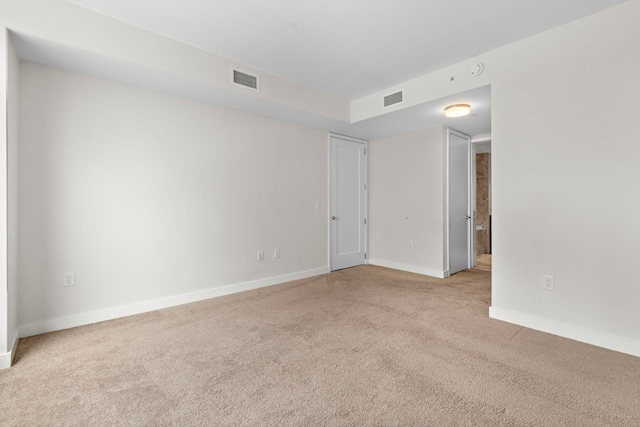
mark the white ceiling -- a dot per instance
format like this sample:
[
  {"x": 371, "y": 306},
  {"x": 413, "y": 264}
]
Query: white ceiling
[
  {"x": 348, "y": 48},
  {"x": 422, "y": 116}
]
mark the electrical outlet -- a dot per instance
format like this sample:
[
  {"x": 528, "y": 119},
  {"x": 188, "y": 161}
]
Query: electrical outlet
[
  {"x": 69, "y": 279},
  {"x": 276, "y": 253},
  {"x": 547, "y": 283},
  {"x": 410, "y": 245},
  {"x": 260, "y": 255}
]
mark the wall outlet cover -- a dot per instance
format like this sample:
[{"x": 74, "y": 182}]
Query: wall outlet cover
[{"x": 69, "y": 279}]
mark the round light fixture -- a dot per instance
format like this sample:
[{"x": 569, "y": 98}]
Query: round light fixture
[{"x": 457, "y": 110}]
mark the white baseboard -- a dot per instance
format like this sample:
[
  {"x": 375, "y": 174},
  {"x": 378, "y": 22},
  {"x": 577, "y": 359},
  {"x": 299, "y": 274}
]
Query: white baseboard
[
  {"x": 14, "y": 345},
  {"x": 410, "y": 268},
  {"x": 6, "y": 359},
  {"x": 145, "y": 306},
  {"x": 611, "y": 342}
]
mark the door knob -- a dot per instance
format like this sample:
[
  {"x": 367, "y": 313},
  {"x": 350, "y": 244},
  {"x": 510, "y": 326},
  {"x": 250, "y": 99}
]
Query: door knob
[{"x": 334, "y": 218}]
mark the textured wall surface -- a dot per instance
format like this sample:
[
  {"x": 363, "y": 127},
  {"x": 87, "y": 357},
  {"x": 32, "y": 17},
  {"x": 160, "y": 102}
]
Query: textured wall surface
[{"x": 482, "y": 204}]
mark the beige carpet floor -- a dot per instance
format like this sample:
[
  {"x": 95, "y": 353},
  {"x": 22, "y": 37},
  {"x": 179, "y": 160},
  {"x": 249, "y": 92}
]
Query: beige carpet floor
[
  {"x": 365, "y": 346},
  {"x": 483, "y": 262}
]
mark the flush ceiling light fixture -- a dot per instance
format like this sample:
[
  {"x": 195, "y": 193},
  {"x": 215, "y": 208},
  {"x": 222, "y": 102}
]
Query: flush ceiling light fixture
[{"x": 457, "y": 110}]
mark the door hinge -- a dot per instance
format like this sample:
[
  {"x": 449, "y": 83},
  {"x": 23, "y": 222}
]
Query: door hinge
[
  {"x": 365, "y": 221},
  {"x": 365, "y": 185},
  {"x": 365, "y": 151},
  {"x": 365, "y": 255}
]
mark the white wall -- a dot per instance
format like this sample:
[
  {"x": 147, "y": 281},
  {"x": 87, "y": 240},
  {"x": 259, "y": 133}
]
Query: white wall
[
  {"x": 406, "y": 201},
  {"x": 8, "y": 206},
  {"x": 12, "y": 198},
  {"x": 147, "y": 196},
  {"x": 5, "y": 357},
  {"x": 565, "y": 180},
  {"x": 564, "y": 174}
]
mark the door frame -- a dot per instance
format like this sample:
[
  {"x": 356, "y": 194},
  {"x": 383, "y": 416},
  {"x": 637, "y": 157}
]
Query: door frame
[
  {"x": 330, "y": 194},
  {"x": 481, "y": 139},
  {"x": 470, "y": 203}
]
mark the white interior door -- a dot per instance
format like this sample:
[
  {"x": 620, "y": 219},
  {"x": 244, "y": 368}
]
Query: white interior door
[
  {"x": 459, "y": 202},
  {"x": 348, "y": 223}
]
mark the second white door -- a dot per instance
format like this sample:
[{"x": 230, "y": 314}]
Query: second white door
[{"x": 459, "y": 202}]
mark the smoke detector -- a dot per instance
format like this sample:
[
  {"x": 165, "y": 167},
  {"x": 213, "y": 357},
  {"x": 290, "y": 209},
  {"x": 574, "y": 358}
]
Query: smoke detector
[{"x": 476, "y": 69}]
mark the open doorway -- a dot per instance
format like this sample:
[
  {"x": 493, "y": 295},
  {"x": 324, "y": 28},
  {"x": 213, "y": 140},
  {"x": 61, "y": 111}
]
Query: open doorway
[{"x": 482, "y": 160}]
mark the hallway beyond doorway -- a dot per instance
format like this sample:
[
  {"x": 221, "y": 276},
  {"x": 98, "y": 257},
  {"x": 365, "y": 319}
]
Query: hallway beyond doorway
[{"x": 483, "y": 262}]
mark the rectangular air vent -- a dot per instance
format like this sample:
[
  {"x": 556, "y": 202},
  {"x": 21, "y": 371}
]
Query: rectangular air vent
[
  {"x": 244, "y": 79},
  {"x": 394, "y": 98}
]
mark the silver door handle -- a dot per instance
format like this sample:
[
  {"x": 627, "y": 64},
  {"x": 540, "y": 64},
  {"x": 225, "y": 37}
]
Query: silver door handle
[
  {"x": 334, "y": 218},
  {"x": 468, "y": 217}
]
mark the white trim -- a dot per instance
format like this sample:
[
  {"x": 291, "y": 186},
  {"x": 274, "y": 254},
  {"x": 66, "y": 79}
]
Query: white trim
[
  {"x": 611, "y": 342},
  {"x": 445, "y": 200},
  {"x": 473, "y": 196},
  {"x": 366, "y": 202},
  {"x": 157, "y": 304},
  {"x": 410, "y": 268},
  {"x": 6, "y": 359},
  {"x": 481, "y": 138},
  {"x": 328, "y": 204},
  {"x": 14, "y": 346},
  {"x": 348, "y": 138}
]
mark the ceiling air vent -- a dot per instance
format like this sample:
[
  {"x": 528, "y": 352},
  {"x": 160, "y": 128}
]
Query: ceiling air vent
[
  {"x": 244, "y": 79},
  {"x": 394, "y": 98}
]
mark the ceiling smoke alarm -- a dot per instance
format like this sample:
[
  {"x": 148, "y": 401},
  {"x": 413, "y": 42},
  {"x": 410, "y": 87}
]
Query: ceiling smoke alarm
[{"x": 476, "y": 69}]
